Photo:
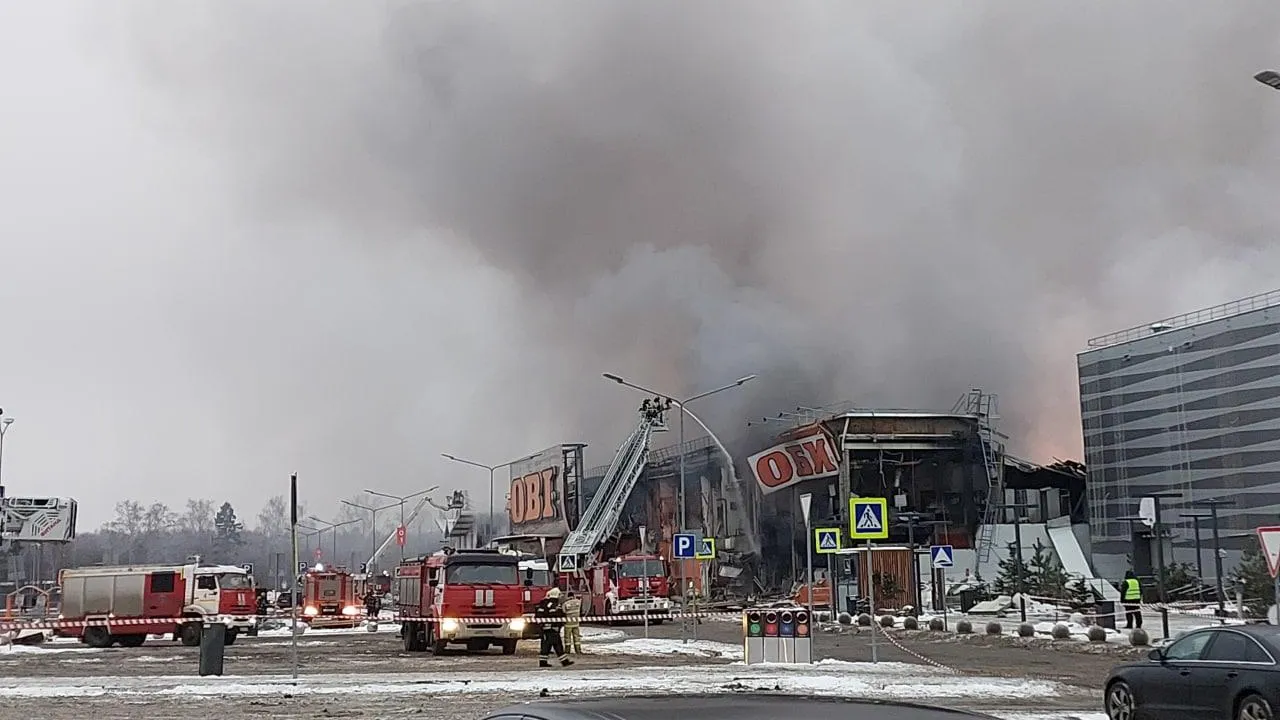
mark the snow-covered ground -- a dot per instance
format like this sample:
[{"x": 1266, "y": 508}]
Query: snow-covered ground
[{"x": 833, "y": 678}]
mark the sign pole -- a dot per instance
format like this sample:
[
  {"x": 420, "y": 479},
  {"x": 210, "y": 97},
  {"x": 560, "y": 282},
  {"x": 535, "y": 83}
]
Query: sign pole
[
  {"x": 831, "y": 582},
  {"x": 805, "y": 501},
  {"x": 645, "y": 572},
  {"x": 871, "y": 603},
  {"x": 942, "y": 595},
  {"x": 293, "y": 534}
]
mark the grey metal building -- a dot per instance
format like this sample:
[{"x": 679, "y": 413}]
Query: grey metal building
[{"x": 1189, "y": 404}]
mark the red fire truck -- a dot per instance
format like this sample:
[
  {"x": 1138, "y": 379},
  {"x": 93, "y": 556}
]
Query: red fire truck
[
  {"x": 471, "y": 597},
  {"x": 329, "y": 598},
  {"x": 132, "y": 602},
  {"x": 537, "y": 579},
  {"x": 630, "y": 585}
]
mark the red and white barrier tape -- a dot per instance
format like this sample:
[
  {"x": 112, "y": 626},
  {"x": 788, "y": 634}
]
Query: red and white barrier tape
[{"x": 119, "y": 622}]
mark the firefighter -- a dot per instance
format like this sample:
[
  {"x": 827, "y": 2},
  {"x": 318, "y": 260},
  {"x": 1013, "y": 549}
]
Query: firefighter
[
  {"x": 551, "y": 610},
  {"x": 572, "y": 619},
  {"x": 1131, "y": 598},
  {"x": 372, "y": 604}
]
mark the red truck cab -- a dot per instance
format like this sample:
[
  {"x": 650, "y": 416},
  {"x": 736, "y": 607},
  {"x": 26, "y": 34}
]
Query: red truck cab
[
  {"x": 631, "y": 585},
  {"x": 329, "y": 598},
  {"x": 469, "y": 597}
]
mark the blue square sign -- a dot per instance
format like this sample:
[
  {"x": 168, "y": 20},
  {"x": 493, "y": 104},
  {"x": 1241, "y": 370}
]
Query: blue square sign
[
  {"x": 684, "y": 546},
  {"x": 942, "y": 555}
]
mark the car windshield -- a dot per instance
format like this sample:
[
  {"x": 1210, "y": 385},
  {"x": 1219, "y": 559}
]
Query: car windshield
[
  {"x": 541, "y": 578},
  {"x": 481, "y": 573},
  {"x": 640, "y": 568},
  {"x": 235, "y": 581}
]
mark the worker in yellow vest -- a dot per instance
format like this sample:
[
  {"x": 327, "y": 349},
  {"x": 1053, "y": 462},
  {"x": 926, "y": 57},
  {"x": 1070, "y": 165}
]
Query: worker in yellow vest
[{"x": 1131, "y": 597}]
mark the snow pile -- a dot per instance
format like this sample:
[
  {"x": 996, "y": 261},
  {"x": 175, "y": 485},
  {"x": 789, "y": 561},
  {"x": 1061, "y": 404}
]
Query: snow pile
[
  {"x": 664, "y": 646},
  {"x": 10, "y": 650},
  {"x": 595, "y": 635}
]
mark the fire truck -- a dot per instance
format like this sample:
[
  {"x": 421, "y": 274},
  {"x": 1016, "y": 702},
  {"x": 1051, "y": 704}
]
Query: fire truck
[
  {"x": 141, "y": 600},
  {"x": 537, "y": 579},
  {"x": 329, "y": 598},
  {"x": 470, "y": 597},
  {"x": 630, "y": 585}
]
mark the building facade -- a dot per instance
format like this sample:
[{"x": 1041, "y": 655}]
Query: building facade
[{"x": 1189, "y": 408}]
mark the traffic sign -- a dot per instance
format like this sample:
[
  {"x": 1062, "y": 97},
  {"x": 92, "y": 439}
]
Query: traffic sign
[
  {"x": 248, "y": 567},
  {"x": 942, "y": 556},
  {"x": 302, "y": 567},
  {"x": 826, "y": 540},
  {"x": 568, "y": 563},
  {"x": 364, "y": 568},
  {"x": 706, "y": 549},
  {"x": 684, "y": 546},
  {"x": 1269, "y": 541},
  {"x": 401, "y": 535},
  {"x": 867, "y": 518}
]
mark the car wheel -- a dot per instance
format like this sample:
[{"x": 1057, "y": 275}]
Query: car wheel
[
  {"x": 1254, "y": 707},
  {"x": 1120, "y": 703}
]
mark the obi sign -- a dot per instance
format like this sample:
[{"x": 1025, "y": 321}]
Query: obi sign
[
  {"x": 535, "y": 501},
  {"x": 809, "y": 454}
]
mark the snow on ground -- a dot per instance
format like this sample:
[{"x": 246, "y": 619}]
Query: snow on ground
[
  {"x": 43, "y": 649},
  {"x": 664, "y": 646},
  {"x": 1060, "y": 715},
  {"x": 885, "y": 680}
]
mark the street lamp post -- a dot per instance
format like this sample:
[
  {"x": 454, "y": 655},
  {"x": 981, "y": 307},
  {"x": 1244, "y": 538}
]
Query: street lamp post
[
  {"x": 5, "y": 422},
  {"x": 1213, "y": 504},
  {"x": 400, "y": 500},
  {"x": 492, "y": 478},
  {"x": 682, "y": 404},
  {"x": 1195, "y": 519},
  {"x": 334, "y": 527},
  {"x": 309, "y": 532},
  {"x": 373, "y": 525}
]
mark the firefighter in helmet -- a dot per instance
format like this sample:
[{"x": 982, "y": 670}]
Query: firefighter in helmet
[
  {"x": 549, "y": 614},
  {"x": 372, "y": 603}
]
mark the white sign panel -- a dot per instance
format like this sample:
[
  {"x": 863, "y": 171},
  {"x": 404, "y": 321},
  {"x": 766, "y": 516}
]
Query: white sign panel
[{"x": 39, "y": 519}]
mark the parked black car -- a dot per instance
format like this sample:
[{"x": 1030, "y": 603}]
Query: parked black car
[
  {"x": 1220, "y": 673},
  {"x": 727, "y": 707}
]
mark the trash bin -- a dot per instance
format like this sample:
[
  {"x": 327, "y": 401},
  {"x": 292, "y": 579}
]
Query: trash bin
[
  {"x": 968, "y": 598},
  {"x": 1104, "y": 613},
  {"x": 213, "y": 643}
]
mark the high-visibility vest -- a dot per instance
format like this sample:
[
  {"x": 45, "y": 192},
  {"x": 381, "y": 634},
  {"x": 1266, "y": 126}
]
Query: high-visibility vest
[{"x": 1132, "y": 590}]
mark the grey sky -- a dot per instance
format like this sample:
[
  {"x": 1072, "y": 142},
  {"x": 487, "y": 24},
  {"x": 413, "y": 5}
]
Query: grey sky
[{"x": 244, "y": 238}]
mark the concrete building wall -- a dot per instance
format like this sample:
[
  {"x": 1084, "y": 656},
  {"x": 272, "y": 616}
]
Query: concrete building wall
[{"x": 1190, "y": 406}]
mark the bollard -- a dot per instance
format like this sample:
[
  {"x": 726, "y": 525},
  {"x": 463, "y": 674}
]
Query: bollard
[
  {"x": 1164, "y": 621},
  {"x": 213, "y": 641}
]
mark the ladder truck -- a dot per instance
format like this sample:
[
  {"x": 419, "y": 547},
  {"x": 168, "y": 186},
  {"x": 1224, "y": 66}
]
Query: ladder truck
[{"x": 613, "y": 585}]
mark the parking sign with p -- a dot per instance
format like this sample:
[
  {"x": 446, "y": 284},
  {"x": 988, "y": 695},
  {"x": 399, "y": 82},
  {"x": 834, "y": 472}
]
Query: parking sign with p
[{"x": 684, "y": 546}]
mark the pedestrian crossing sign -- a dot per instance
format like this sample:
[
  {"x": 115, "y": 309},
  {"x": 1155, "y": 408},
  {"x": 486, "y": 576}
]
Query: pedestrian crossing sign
[
  {"x": 867, "y": 518},
  {"x": 827, "y": 540},
  {"x": 568, "y": 563},
  {"x": 706, "y": 549}
]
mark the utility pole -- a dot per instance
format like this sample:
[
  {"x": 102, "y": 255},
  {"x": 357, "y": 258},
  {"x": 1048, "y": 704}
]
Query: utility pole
[
  {"x": 492, "y": 480},
  {"x": 1195, "y": 521},
  {"x": 1158, "y": 528},
  {"x": 1213, "y": 504}
]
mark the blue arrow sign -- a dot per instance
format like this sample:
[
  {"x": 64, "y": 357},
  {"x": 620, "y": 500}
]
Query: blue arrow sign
[
  {"x": 942, "y": 556},
  {"x": 684, "y": 546}
]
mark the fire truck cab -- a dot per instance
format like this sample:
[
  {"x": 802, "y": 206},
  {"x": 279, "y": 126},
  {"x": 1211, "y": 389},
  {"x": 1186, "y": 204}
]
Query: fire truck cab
[
  {"x": 329, "y": 598},
  {"x": 132, "y": 602},
  {"x": 470, "y": 597},
  {"x": 631, "y": 585},
  {"x": 537, "y": 578}
]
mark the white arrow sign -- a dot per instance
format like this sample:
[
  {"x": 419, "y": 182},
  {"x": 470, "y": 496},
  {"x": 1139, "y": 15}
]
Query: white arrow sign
[{"x": 1269, "y": 539}]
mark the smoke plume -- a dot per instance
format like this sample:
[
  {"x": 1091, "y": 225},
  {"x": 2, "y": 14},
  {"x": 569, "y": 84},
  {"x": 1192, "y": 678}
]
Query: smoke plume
[{"x": 391, "y": 229}]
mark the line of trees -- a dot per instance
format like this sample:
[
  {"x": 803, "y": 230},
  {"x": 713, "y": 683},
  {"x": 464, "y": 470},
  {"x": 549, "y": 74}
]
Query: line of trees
[{"x": 157, "y": 533}]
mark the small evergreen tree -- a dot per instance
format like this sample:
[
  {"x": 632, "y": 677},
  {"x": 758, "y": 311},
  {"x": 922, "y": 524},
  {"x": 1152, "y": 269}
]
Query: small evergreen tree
[
  {"x": 1048, "y": 579},
  {"x": 226, "y": 532},
  {"x": 1011, "y": 568},
  {"x": 1253, "y": 573},
  {"x": 1080, "y": 595}
]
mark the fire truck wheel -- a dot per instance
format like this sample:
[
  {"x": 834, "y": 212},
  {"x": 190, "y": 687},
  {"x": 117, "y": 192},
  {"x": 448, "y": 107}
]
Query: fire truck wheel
[
  {"x": 657, "y": 621},
  {"x": 97, "y": 637},
  {"x": 509, "y": 647},
  {"x": 130, "y": 640},
  {"x": 230, "y": 638},
  {"x": 190, "y": 634},
  {"x": 439, "y": 646}
]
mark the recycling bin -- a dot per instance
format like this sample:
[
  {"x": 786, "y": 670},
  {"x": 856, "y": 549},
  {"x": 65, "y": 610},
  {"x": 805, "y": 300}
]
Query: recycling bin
[
  {"x": 213, "y": 644},
  {"x": 803, "y": 638},
  {"x": 772, "y": 637},
  {"x": 753, "y": 636}
]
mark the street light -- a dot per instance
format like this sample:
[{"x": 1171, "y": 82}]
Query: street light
[
  {"x": 400, "y": 499},
  {"x": 1213, "y": 504},
  {"x": 683, "y": 411},
  {"x": 492, "y": 480},
  {"x": 334, "y": 527},
  {"x": 1270, "y": 78},
  {"x": 310, "y": 531},
  {"x": 373, "y": 526},
  {"x": 1195, "y": 520},
  {"x": 5, "y": 422}
]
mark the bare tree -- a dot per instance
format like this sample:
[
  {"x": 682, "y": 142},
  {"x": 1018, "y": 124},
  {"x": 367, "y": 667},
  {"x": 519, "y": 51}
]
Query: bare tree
[{"x": 198, "y": 518}]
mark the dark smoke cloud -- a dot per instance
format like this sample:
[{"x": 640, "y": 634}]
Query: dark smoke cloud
[{"x": 429, "y": 226}]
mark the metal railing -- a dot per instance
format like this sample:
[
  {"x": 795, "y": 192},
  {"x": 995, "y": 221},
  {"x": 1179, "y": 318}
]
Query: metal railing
[{"x": 1217, "y": 312}]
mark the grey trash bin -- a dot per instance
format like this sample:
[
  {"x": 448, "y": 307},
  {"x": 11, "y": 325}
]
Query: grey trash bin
[{"x": 213, "y": 643}]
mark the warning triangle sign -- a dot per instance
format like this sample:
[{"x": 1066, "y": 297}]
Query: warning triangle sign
[
  {"x": 1269, "y": 539},
  {"x": 869, "y": 520},
  {"x": 827, "y": 541}
]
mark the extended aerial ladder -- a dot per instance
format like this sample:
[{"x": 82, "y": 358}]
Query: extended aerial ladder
[
  {"x": 392, "y": 537},
  {"x": 601, "y": 517}
]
